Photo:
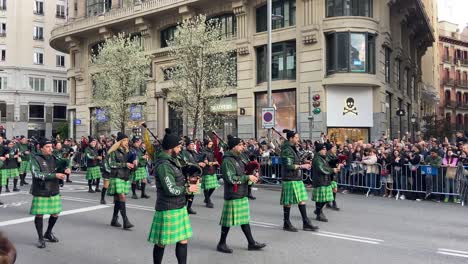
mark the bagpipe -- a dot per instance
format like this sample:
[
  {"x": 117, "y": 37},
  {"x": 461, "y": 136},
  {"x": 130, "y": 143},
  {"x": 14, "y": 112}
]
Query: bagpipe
[{"x": 191, "y": 171}]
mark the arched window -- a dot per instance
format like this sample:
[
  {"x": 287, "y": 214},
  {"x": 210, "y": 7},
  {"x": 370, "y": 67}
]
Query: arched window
[
  {"x": 459, "y": 122},
  {"x": 447, "y": 97},
  {"x": 448, "y": 117},
  {"x": 459, "y": 98}
]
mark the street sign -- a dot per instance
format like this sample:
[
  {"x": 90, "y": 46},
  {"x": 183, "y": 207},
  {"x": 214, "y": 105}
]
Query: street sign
[
  {"x": 400, "y": 112},
  {"x": 268, "y": 117},
  {"x": 101, "y": 115},
  {"x": 136, "y": 112},
  {"x": 77, "y": 121}
]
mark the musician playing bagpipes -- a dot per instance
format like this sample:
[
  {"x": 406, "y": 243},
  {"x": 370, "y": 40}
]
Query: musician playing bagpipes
[
  {"x": 11, "y": 165},
  {"x": 209, "y": 177},
  {"x": 171, "y": 224},
  {"x": 105, "y": 167},
  {"x": 334, "y": 162},
  {"x": 139, "y": 173},
  {"x": 236, "y": 210},
  {"x": 60, "y": 153},
  {"x": 190, "y": 155},
  {"x": 66, "y": 146},
  {"x": 93, "y": 164},
  {"x": 25, "y": 150},
  {"x": 293, "y": 190},
  {"x": 46, "y": 171}
]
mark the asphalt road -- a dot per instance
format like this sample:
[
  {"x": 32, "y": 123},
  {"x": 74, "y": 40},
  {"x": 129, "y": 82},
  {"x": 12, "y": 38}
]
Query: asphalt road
[{"x": 367, "y": 230}]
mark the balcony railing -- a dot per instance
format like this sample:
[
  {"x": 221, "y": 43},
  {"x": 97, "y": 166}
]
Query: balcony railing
[
  {"x": 464, "y": 62},
  {"x": 447, "y": 59},
  {"x": 448, "y": 81},
  {"x": 137, "y": 9},
  {"x": 461, "y": 83},
  {"x": 456, "y": 104}
]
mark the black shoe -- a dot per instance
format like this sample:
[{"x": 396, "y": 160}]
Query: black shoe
[
  {"x": 21, "y": 183},
  {"x": 51, "y": 237},
  {"x": 224, "y": 249},
  {"x": 115, "y": 222},
  {"x": 97, "y": 190},
  {"x": 307, "y": 226},
  {"x": 41, "y": 243},
  {"x": 103, "y": 201},
  {"x": 321, "y": 217},
  {"x": 209, "y": 205},
  {"x": 335, "y": 207},
  {"x": 134, "y": 196},
  {"x": 16, "y": 190},
  {"x": 26, "y": 183},
  {"x": 66, "y": 181},
  {"x": 328, "y": 205},
  {"x": 127, "y": 224},
  {"x": 7, "y": 190},
  {"x": 287, "y": 226},
  {"x": 256, "y": 246},
  {"x": 91, "y": 191},
  {"x": 1, "y": 203},
  {"x": 251, "y": 197},
  {"x": 145, "y": 196},
  {"x": 191, "y": 211}
]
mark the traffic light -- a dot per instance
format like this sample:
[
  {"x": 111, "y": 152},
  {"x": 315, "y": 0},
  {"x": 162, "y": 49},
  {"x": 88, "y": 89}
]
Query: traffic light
[{"x": 316, "y": 104}]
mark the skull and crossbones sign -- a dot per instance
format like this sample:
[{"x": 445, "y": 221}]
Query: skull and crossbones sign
[{"x": 350, "y": 108}]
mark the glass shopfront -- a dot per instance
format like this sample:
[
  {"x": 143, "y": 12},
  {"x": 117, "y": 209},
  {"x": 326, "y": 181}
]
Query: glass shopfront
[
  {"x": 344, "y": 135},
  {"x": 285, "y": 104},
  {"x": 225, "y": 116}
]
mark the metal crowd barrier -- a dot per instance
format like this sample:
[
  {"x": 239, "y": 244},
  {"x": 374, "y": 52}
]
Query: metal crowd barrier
[{"x": 361, "y": 176}]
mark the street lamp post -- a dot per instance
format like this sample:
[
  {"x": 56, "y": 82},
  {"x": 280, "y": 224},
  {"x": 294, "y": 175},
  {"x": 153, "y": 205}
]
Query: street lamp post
[{"x": 413, "y": 123}]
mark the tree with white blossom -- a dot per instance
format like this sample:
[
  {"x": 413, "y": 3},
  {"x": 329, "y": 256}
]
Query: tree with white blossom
[
  {"x": 204, "y": 70},
  {"x": 122, "y": 71}
]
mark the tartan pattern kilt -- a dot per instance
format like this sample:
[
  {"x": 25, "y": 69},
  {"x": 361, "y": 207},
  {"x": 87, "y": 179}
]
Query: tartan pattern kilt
[
  {"x": 323, "y": 194},
  {"x": 10, "y": 173},
  {"x": 139, "y": 174},
  {"x": 46, "y": 205},
  {"x": 3, "y": 180},
  {"x": 235, "y": 212},
  {"x": 293, "y": 192},
  {"x": 118, "y": 186},
  {"x": 25, "y": 167},
  {"x": 93, "y": 173},
  {"x": 209, "y": 182},
  {"x": 334, "y": 185},
  {"x": 170, "y": 227}
]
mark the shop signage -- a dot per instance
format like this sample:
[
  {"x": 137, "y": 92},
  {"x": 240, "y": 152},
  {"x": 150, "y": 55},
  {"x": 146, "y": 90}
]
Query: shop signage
[
  {"x": 349, "y": 107},
  {"x": 268, "y": 117}
]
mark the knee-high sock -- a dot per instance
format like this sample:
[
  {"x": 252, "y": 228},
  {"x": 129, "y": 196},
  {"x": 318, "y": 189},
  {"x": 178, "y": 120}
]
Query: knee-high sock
[
  {"x": 302, "y": 209},
  {"x": 134, "y": 188},
  {"x": 97, "y": 183},
  {"x": 143, "y": 188},
  {"x": 52, "y": 221},
  {"x": 103, "y": 193},
  {"x": 206, "y": 194},
  {"x": 38, "y": 222},
  {"x": 210, "y": 192},
  {"x": 123, "y": 211},
  {"x": 181, "y": 253},
  {"x": 248, "y": 233},
  {"x": 15, "y": 183},
  {"x": 224, "y": 234},
  {"x": 7, "y": 183},
  {"x": 189, "y": 200},
  {"x": 158, "y": 254},
  {"x": 90, "y": 184},
  {"x": 286, "y": 212},
  {"x": 116, "y": 209},
  {"x": 1, "y": 189}
]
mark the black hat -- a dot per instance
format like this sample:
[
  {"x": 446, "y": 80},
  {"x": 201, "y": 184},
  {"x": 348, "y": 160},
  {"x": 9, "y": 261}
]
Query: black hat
[
  {"x": 21, "y": 137},
  {"x": 44, "y": 141},
  {"x": 170, "y": 141},
  {"x": 91, "y": 139},
  {"x": 319, "y": 147},
  {"x": 7, "y": 142},
  {"x": 233, "y": 141},
  {"x": 135, "y": 139},
  {"x": 289, "y": 133},
  {"x": 121, "y": 136},
  {"x": 206, "y": 142},
  {"x": 188, "y": 141},
  {"x": 434, "y": 150},
  {"x": 328, "y": 146}
]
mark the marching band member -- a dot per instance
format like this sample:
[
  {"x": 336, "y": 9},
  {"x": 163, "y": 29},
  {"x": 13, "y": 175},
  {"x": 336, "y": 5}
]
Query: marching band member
[
  {"x": 25, "y": 166},
  {"x": 11, "y": 165},
  {"x": 209, "y": 177},
  {"x": 140, "y": 163},
  {"x": 190, "y": 156},
  {"x": 93, "y": 161}
]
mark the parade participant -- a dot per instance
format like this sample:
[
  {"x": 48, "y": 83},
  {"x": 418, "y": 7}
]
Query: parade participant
[
  {"x": 236, "y": 204},
  {"x": 68, "y": 153},
  {"x": 119, "y": 179},
  {"x": 140, "y": 163},
  {"x": 171, "y": 224},
  {"x": 322, "y": 192},
  {"x": 333, "y": 161},
  {"x": 244, "y": 156},
  {"x": 105, "y": 168},
  {"x": 46, "y": 191},
  {"x": 25, "y": 166},
  {"x": 209, "y": 177},
  {"x": 93, "y": 161},
  {"x": 3, "y": 181},
  {"x": 293, "y": 190},
  {"x": 190, "y": 156},
  {"x": 11, "y": 164}
]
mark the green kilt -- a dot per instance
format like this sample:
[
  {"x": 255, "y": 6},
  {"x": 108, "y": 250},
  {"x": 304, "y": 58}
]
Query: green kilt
[
  {"x": 46, "y": 205},
  {"x": 235, "y": 212},
  {"x": 323, "y": 194},
  {"x": 170, "y": 227},
  {"x": 209, "y": 182},
  {"x": 293, "y": 192},
  {"x": 118, "y": 186},
  {"x": 10, "y": 173},
  {"x": 3, "y": 180},
  {"x": 139, "y": 174},
  {"x": 25, "y": 167},
  {"x": 334, "y": 185},
  {"x": 93, "y": 173}
]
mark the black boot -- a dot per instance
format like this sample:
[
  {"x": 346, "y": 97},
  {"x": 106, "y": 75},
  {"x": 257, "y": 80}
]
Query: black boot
[
  {"x": 143, "y": 191},
  {"x": 15, "y": 185},
  {"x": 287, "y": 226},
  {"x": 307, "y": 226},
  {"x": 334, "y": 205},
  {"x": 115, "y": 216},
  {"x": 189, "y": 205},
  {"x": 123, "y": 212},
  {"x": 181, "y": 253},
  {"x": 103, "y": 195},
  {"x": 222, "y": 247},
  {"x": 48, "y": 234},
  {"x": 158, "y": 254},
  {"x": 319, "y": 212},
  {"x": 38, "y": 222},
  {"x": 68, "y": 179},
  {"x": 134, "y": 195},
  {"x": 253, "y": 245},
  {"x": 97, "y": 186},
  {"x": 249, "y": 193},
  {"x": 23, "y": 179},
  {"x": 7, "y": 189},
  {"x": 90, "y": 186}
]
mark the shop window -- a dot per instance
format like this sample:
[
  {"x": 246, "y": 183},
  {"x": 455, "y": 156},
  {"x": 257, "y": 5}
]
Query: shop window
[
  {"x": 285, "y": 104},
  {"x": 283, "y": 62}
]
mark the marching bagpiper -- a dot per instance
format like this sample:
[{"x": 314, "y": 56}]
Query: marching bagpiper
[
  {"x": 140, "y": 173},
  {"x": 333, "y": 161},
  {"x": 171, "y": 224},
  {"x": 209, "y": 177},
  {"x": 11, "y": 165},
  {"x": 3, "y": 181},
  {"x": 93, "y": 160},
  {"x": 190, "y": 156},
  {"x": 25, "y": 152},
  {"x": 236, "y": 204},
  {"x": 105, "y": 168}
]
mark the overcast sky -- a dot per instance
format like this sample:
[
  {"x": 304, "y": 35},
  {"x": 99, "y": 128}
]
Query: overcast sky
[{"x": 454, "y": 11}]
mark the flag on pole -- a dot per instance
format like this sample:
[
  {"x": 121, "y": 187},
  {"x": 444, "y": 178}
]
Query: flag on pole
[{"x": 149, "y": 144}]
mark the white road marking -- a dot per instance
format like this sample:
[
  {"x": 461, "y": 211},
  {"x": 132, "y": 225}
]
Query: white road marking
[
  {"x": 13, "y": 193},
  {"x": 357, "y": 237},
  {"x": 346, "y": 238},
  {"x": 452, "y": 252},
  {"x": 69, "y": 212}
]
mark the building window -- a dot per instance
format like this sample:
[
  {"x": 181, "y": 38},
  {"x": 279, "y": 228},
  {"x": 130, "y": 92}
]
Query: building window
[
  {"x": 3, "y": 83},
  {"x": 408, "y": 82},
  {"x": 285, "y": 105},
  {"x": 36, "y": 111},
  {"x": 38, "y": 33},
  {"x": 3, "y": 30},
  {"x": 414, "y": 84},
  {"x": 60, "y": 11},
  {"x": 286, "y": 9},
  {"x": 350, "y": 52},
  {"x": 388, "y": 65},
  {"x": 227, "y": 23},
  {"x": 37, "y": 84},
  {"x": 97, "y": 7},
  {"x": 38, "y": 58},
  {"x": 398, "y": 73},
  {"x": 3, "y": 55},
  {"x": 60, "y": 61},
  {"x": 349, "y": 8},
  {"x": 60, "y": 112},
  {"x": 283, "y": 61},
  {"x": 60, "y": 86},
  {"x": 3, "y": 4},
  {"x": 39, "y": 7},
  {"x": 3, "y": 108},
  {"x": 167, "y": 34},
  {"x": 167, "y": 73}
]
